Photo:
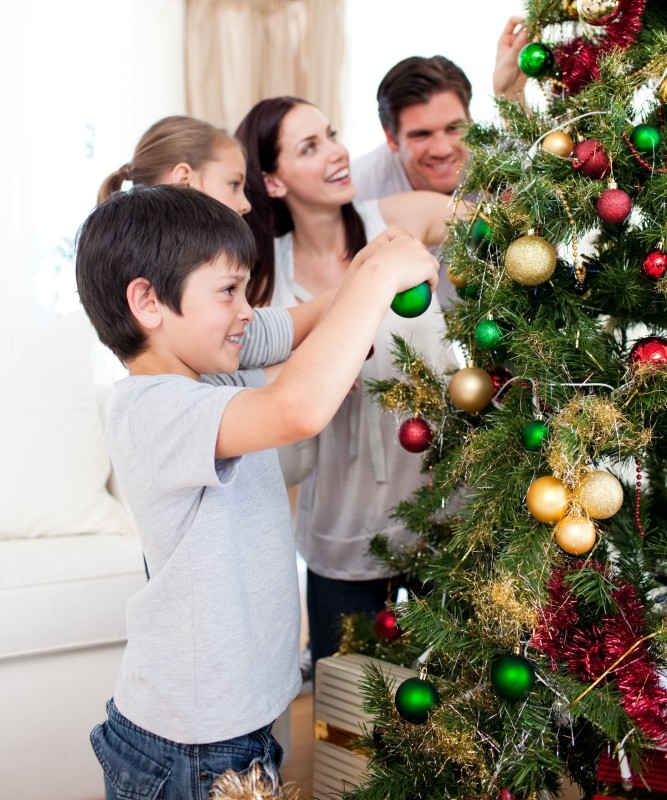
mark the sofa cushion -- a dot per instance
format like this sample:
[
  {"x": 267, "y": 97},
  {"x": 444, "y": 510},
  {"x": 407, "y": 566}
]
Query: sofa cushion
[
  {"x": 66, "y": 592},
  {"x": 53, "y": 464}
]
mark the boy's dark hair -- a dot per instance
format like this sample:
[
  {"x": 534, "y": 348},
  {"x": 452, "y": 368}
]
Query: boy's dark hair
[
  {"x": 415, "y": 80},
  {"x": 162, "y": 234}
]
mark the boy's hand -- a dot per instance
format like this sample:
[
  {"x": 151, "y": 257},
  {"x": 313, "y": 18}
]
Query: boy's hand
[
  {"x": 406, "y": 261},
  {"x": 387, "y": 235}
]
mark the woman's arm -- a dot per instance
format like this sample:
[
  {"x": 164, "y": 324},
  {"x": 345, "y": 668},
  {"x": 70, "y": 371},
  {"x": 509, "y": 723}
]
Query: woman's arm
[{"x": 425, "y": 215}]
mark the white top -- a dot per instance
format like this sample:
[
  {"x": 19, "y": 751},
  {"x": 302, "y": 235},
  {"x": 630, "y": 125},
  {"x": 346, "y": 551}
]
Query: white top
[
  {"x": 379, "y": 173},
  {"x": 362, "y": 471},
  {"x": 213, "y": 637}
]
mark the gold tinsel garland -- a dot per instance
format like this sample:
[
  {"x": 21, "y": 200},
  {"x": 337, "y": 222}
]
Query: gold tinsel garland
[
  {"x": 420, "y": 394},
  {"x": 594, "y": 423},
  {"x": 499, "y": 605},
  {"x": 253, "y": 785}
]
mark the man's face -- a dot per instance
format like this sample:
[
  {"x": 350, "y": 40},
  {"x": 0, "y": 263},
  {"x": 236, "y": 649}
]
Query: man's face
[{"x": 429, "y": 142}]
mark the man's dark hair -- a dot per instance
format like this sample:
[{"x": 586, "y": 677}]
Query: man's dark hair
[
  {"x": 415, "y": 80},
  {"x": 161, "y": 234}
]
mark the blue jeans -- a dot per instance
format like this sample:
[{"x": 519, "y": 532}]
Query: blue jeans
[{"x": 139, "y": 765}]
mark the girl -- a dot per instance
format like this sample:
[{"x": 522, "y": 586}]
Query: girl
[
  {"x": 307, "y": 229},
  {"x": 186, "y": 151}
]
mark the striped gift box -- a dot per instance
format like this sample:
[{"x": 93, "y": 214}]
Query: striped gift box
[
  {"x": 651, "y": 785},
  {"x": 339, "y": 721}
]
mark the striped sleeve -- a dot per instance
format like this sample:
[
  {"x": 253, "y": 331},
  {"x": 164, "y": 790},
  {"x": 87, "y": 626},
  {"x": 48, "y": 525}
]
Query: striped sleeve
[{"x": 268, "y": 339}]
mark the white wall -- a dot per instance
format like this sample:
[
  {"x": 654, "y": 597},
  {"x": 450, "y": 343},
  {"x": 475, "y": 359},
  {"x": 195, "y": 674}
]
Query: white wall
[
  {"x": 379, "y": 33},
  {"x": 80, "y": 81}
]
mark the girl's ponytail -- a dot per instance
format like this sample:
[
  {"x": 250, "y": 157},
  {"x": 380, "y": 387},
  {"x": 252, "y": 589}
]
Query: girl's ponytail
[{"x": 114, "y": 182}]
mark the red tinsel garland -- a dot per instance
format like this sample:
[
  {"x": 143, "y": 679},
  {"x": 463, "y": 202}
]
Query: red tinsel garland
[
  {"x": 578, "y": 60},
  {"x": 591, "y": 648}
]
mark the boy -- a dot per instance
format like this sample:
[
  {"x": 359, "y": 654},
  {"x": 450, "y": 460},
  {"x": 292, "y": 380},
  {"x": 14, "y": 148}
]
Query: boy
[{"x": 212, "y": 653}]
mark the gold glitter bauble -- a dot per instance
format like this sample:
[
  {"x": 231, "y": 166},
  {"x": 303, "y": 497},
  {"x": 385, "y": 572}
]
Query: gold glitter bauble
[
  {"x": 530, "y": 260},
  {"x": 558, "y": 143},
  {"x": 570, "y": 7},
  {"x": 575, "y": 535},
  {"x": 547, "y": 499},
  {"x": 471, "y": 389},
  {"x": 599, "y": 494},
  {"x": 597, "y": 12},
  {"x": 662, "y": 91}
]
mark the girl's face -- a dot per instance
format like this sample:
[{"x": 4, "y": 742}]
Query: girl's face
[
  {"x": 313, "y": 168},
  {"x": 224, "y": 178}
]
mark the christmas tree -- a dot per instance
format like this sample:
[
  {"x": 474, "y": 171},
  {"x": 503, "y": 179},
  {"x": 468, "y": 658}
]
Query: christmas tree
[{"x": 541, "y": 534}]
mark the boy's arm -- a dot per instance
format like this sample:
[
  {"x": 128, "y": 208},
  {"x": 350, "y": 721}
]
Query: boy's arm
[{"x": 316, "y": 379}]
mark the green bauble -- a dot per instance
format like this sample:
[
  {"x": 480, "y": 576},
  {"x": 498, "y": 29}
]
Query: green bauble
[
  {"x": 467, "y": 292},
  {"x": 415, "y": 698},
  {"x": 489, "y": 335},
  {"x": 481, "y": 234},
  {"x": 534, "y": 434},
  {"x": 535, "y": 60},
  {"x": 512, "y": 676},
  {"x": 412, "y": 302},
  {"x": 645, "y": 138}
]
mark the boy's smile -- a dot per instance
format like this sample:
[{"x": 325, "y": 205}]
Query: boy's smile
[{"x": 206, "y": 338}]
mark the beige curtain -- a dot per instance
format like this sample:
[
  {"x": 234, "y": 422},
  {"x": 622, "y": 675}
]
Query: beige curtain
[{"x": 241, "y": 51}]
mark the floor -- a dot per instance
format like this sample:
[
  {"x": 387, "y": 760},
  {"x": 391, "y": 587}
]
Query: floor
[{"x": 299, "y": 769}]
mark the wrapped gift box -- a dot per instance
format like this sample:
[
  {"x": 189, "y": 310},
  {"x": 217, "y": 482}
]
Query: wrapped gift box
[
  {"x": 651, "y": 785},
  {"x": 340, "y": 721}
]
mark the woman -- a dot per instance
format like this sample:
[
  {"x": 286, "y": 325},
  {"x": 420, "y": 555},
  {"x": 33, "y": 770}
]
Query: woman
[{"x": 307, "y": 230}]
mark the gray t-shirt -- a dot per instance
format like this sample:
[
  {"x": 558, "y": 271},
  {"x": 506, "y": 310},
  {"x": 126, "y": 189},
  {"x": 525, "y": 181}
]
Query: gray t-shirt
[
  {"x": 379, "y": 173},
  {"x": 213, "y": 638}
]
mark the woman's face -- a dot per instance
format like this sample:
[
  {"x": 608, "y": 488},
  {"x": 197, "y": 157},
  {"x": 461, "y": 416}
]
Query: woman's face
[
  {"x": 312, "y": 166},
  {"x": 224, "y": 178}
]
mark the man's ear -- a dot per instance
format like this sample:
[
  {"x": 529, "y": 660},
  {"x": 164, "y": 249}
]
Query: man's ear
[
  {"x": 181, "y": 174},
  {"x": 273, "y": 185},
  {"x": 144, "y": 304},
  {"x": 393, "y": 144}
]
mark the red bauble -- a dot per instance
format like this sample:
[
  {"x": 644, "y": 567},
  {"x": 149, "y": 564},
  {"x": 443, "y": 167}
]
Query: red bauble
[
  {"x": 614, "y": 206},
  {"x": 386, "y": 625},
  {"x": 590, "y": 159},
  {"x": 500, "y": 377},
  {"x": 415, "y": 435},
  {"x": 654, "y": 265},
  {"x": 652, "y": 350}
]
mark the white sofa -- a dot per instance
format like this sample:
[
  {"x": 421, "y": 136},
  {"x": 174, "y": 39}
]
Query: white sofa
[{"x": 69, "y": 561}]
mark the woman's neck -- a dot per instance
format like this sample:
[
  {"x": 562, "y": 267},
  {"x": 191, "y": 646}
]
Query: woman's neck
[{"x": 318, "y": 244}]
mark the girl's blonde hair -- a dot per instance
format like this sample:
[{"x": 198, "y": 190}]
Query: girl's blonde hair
[{"x": 168, "y": 142}]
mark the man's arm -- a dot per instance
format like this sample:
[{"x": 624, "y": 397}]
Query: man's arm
[{"x": 508, "y": 80}]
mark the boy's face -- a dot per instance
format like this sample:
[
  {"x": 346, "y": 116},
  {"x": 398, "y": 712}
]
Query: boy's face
[
  {"x": 206, "y": 338},
  {"x": 429, "y": 142}
]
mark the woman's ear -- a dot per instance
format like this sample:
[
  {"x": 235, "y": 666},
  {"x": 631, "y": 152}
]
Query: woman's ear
[
  {"x": 181, "y": 174},
  {"x": 273, "y": 185},
  {"x": 144, "y": 304}
]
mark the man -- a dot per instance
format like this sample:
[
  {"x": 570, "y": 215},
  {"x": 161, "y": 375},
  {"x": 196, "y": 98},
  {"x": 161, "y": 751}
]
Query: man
[{"x": 424, "y": 106}]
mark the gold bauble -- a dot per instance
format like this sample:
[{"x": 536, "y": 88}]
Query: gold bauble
[
  {"x": 530, "y": 260},
  {"x": 471, "y": 389},
  {"x": 597, "y": 12},
  {"x": 456, "y": 279},
  {"x": 599, "y": 494},
  {"x": 662, "y": 91},
  {"x": 558, "y": 143},
  {"x": 575, "y": 535},
  {"x": 547, "y": 499},
  {"x": 570, "y": 7}
]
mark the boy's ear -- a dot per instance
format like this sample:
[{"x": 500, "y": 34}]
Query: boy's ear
[
  {"x": 143, "y": 303},
  {"x": 273, "y": 185},
  {"x": 393, "y": 144},
  {"x": 181, "y": 174}
]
